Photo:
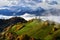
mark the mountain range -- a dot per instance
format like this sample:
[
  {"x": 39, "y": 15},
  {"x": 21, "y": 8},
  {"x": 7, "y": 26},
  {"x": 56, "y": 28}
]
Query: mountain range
[
  {"x": 16, "y": 11},
  {"x": 28, "y": 13}
]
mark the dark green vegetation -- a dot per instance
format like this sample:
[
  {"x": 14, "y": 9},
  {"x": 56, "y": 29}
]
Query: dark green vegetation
[
  {"x": 7, "y": 22},
  {"x": 34, "y": 29}
]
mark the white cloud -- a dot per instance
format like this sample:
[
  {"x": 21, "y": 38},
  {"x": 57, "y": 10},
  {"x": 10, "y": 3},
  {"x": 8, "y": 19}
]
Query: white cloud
[
  {"x": 8, "y": 2},
  {"x": 29, "y": 3},
  {"x": 4, "y": 2},
  {"x": 51, "y": 18},
  {"x": 5, "y": 17},
  {"x": 32, "y": 4},
  {"x": 29, "y": 17}
]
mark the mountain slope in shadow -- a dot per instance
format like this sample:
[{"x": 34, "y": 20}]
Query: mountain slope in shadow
[{"x": 7, "y": 22}]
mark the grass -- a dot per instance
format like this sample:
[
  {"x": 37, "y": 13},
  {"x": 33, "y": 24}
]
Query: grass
[{"x": 36, "y": 29}]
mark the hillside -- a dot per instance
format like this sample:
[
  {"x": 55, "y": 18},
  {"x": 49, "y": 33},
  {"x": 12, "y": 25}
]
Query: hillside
[
  {"x": 7, "y": 22},
  {"x": 35, "y": 29}
]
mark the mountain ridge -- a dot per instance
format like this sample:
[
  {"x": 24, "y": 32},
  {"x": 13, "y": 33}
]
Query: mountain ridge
[
  {"x": 6, "y": 22},
  {"x": 22, "y": 10},
  {"x": 35, "y": 29}
]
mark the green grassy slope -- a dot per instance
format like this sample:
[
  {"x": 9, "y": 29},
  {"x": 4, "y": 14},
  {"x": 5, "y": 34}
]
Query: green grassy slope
[{"x": 37, "y": 29}]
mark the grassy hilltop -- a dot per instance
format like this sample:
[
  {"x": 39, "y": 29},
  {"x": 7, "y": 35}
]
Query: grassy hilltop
[{"x": 35, "y": 29}]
